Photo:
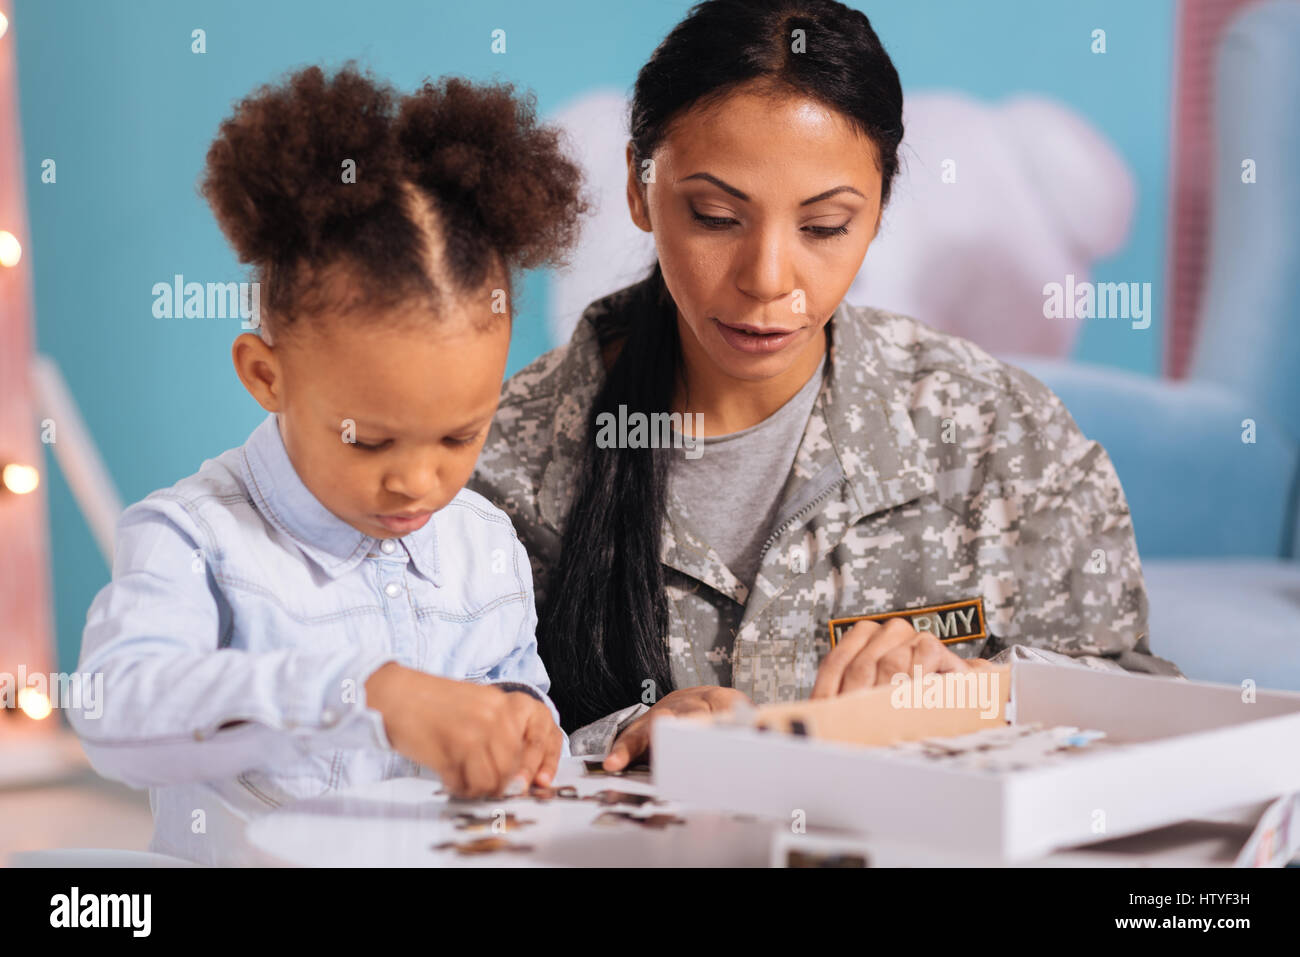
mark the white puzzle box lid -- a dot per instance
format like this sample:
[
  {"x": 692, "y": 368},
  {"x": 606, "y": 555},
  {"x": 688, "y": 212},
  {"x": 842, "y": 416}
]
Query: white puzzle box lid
[{"x": 1002, "y": 763}]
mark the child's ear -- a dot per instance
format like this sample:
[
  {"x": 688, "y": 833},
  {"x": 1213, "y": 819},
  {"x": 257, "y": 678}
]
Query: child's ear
[
  {"x": 636, "y": 203},
  {"x": 258, "y": 367}
]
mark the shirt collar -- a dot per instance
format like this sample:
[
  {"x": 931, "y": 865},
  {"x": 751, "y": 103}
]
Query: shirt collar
[{"x": 280, "y": 495}]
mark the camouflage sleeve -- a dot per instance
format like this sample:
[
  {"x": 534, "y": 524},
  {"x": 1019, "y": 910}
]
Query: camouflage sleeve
[
  {"x": 507, "y": 475},
  {"x": 1078, "y": 586},
  {"x": 595, "y": 739}
]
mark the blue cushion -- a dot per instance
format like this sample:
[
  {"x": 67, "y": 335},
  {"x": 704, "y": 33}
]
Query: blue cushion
[
  {"x": 1227, "y": 620},
  {"x": 1249, "y": 338},
  {"x": 1194, "y": 488}
]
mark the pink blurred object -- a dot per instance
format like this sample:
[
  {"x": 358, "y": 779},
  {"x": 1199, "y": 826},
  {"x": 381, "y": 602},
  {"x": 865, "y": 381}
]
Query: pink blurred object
[
  {"x": 1038, "y": 194},
  {"x": 26, "y": 629}
]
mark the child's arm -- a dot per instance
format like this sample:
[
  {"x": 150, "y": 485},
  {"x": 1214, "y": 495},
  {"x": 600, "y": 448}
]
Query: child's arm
[
  {"x": 523, "y": 672},
  {"x": 523, "y": 666},
  {"x": 478, "y": 739},
  {"x": 177, "y": 706}
]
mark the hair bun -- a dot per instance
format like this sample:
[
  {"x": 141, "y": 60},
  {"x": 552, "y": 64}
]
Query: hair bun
[
  {"x": 500, "y": 179},
  {"x": 275, "y": 173},
  {"x": 504, "y": 193}
]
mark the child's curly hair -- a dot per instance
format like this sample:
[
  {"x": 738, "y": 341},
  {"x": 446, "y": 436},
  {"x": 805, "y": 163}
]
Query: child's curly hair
[{"x": 503, "y": 193}]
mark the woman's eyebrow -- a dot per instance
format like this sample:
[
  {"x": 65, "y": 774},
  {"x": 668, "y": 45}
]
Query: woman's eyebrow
[
  {"x": 829, "y": 193},
  {"x": 727, "y": 187}
]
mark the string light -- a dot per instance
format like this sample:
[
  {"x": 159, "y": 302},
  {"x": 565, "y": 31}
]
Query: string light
[
  {"x": 19, "y": 479},
  {"x": 11, "y": 250},
  {"x": 35, "y": 704}
]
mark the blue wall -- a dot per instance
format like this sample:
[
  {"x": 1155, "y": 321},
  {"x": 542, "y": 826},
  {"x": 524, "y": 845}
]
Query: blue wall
[{"x": 113, "y": 94}]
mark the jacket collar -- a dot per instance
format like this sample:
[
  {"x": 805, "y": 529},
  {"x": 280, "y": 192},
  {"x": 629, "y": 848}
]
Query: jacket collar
[
  {"x": 864, "y": 414},
  {"x": 859, "y": 454},
  {"x": 281, "y": 497}
]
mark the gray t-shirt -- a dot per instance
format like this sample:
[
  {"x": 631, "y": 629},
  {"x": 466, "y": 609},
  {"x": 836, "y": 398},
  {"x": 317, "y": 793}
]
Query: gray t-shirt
[{"x": 740, "y": 476}]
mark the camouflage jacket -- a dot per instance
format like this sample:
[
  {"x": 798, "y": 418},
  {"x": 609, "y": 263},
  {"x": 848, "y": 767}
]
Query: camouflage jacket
[{"x": 929, "y": 472}]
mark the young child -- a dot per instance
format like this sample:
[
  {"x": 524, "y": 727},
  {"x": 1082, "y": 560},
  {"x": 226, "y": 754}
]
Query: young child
[{"x": 326, "y": 604}]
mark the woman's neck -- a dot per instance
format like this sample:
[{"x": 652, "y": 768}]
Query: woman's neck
[{"x": 729, "y": 404}]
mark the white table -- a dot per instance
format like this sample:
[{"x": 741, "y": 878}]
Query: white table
[{"x": 397, "y": 823}]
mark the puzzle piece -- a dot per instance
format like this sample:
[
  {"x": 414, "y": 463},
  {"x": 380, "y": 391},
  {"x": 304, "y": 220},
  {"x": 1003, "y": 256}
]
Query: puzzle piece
[
  {"x": 611, "y": 797},
  {"x": 1011, "y": 748},
  {"x": 483, "y": 845},
  {"x": 597, "y": 769},
  {"x": 567, "y": 792},
  {"x": 653, "y": 822},
  {"x": 483, "y": 822}
]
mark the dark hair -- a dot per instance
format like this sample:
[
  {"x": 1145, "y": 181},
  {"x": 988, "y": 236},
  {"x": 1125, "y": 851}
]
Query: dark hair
[
  {"x": 604, "y": 622},
  {"x": 503, "y": 192}
]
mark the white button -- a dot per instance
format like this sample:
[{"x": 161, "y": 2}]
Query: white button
[
  {"x": 392, "y": 589},
  {"x": 327, "y": 716},
  {"x": 387, "y": 546}
]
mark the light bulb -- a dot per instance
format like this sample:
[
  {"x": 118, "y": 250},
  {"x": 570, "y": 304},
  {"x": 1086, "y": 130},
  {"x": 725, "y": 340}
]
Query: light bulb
[
  {"x": 20, "y": 479},
  {"x": 11, "y": 250},
  {"x": 4, "y": 24},
  {"x": 35, "y": 704}
]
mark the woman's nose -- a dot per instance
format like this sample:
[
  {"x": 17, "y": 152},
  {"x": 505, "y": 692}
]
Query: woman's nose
[{"x": 765, "y": 272}]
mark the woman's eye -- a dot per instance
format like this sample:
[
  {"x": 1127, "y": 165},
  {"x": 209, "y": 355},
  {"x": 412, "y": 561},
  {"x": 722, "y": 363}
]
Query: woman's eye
[
  {"x": 825, "y": 232},
  {"x": 714, "y": 222},
  {"x": 725, "y": 222}
]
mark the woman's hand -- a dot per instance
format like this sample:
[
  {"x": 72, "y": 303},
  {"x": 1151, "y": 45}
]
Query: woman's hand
[
  {"x": 635, "y": 739},
  {"x": 479, "y": 739},
  {"x": 872, "y": 652}
]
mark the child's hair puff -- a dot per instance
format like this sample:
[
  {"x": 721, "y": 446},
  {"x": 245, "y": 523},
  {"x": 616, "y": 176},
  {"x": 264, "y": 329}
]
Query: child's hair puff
[{"x": 277, "y": 179}]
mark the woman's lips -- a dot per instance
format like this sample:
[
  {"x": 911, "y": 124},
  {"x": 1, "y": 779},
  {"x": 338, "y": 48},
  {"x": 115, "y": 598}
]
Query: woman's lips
[
  {"x": 403, "y": 524},
  {"x": 753, "y": 340}
]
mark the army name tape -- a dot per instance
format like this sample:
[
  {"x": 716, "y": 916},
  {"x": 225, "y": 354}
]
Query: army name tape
[{"x": 956, "y": 621}]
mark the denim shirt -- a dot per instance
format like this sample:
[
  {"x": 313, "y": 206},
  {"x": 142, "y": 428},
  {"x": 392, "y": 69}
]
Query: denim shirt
[{"x": 243, "y": 620}]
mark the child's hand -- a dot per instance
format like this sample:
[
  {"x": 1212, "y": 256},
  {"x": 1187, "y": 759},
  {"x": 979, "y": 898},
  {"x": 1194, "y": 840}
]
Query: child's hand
[
  {"x": 543, "y": 740},
  {"x": 477, "y": 738}
]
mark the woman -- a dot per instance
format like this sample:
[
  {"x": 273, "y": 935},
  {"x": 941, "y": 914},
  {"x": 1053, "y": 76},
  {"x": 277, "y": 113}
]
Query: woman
[{"x": 854, "y": 462}]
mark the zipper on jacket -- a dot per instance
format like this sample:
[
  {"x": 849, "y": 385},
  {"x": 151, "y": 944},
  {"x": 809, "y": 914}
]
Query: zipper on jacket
[{"x": 799, "y": 515}]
